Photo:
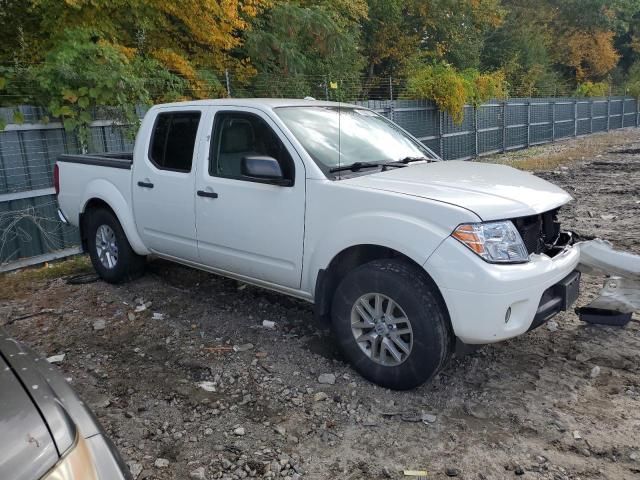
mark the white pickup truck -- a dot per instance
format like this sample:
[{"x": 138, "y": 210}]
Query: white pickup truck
[{"x": 336, "y": 205}]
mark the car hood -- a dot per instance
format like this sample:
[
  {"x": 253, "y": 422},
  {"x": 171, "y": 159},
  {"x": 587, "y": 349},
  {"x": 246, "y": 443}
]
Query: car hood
[
  {"x": 491, "y": 191},
  {"x": 28, "y": 451}
]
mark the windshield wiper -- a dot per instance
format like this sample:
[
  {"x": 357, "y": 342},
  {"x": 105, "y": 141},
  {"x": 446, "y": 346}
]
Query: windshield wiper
[
  {"x": 406, "y": 160},
  {"x": 354, "y": 167}
]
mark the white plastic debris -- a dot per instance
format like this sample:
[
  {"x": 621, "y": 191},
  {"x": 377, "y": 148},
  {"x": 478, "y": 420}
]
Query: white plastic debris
[
  {"x": 207, "y": 386},
  {"x": 269, "y": 324},
  {"x": 621, "y": 291},
  {"x": 56, "y": 358},
  {"x": 158, "y": 316},
  {"x": 140, "y": 308}
]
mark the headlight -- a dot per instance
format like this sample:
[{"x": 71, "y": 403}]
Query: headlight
[
  {"x": 77, "y": 464},
  {"x": 495, "y": 242}
]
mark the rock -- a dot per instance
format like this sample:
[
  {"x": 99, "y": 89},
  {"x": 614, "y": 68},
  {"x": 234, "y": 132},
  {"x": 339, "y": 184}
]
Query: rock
[
  {"x": 100, "y": 324},
  {"x": 55, "y": 358},
  {"x": 131, "y": 316},
  {"x": 198, "y": 473},
  {"x": 595, "y": 371},
  {"x": 208, "y": 431},
  {"x": 519, "y": 470},
  {"x": 452, "y": 472},
  {"x": 243, "y": 348},
  {"x": 161, "y": 463},
  {"x": 552, "y": 325},
  {"x": 320, "y": 396},
  {"x": 280, "y": 429},
  {"x": 140, "y": 308},
  {"x": 269, "y": 324},
  {"x": 135, "y": 468},
  {"x": 327, "y": 379},
  {"x": 240, "y": 431},
  {"x": 576, "y": 435}
]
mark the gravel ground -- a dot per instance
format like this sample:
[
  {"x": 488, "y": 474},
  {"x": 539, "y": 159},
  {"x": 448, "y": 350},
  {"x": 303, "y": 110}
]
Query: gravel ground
[{"x": 189, "y": 383}]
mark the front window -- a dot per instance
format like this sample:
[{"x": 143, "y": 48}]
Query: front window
[{"x": 341, "y": 136}]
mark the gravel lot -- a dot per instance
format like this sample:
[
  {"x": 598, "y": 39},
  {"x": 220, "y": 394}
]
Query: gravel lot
[{"x": 189, "y": 383}]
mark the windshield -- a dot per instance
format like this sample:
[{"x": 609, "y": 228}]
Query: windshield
[{"x": 359, "y": 135}]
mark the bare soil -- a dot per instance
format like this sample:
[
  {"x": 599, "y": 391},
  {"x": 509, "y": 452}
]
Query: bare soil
[{"x": 556, "y": 403}]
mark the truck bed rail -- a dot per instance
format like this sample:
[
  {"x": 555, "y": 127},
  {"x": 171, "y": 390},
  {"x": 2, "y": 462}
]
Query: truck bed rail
[{"x": 122, "y": 160}]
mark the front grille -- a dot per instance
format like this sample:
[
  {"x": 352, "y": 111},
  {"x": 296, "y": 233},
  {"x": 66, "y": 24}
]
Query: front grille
[{"x": 538, "y": 232}]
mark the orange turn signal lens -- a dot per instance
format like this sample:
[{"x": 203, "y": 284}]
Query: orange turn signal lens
[{"x": 468, "y": 235}]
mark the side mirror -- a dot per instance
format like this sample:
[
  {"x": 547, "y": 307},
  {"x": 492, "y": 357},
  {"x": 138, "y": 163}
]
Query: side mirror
[{"x": 263, "y": 169}]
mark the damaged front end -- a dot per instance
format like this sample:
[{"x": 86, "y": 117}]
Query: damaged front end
[{"x": 620, "y": 295}]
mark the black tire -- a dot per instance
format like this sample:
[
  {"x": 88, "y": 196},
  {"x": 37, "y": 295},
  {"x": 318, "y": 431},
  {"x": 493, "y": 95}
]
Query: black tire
[
  {"x": 128, "y": 264},
  {"x": 418, "y": 297}
]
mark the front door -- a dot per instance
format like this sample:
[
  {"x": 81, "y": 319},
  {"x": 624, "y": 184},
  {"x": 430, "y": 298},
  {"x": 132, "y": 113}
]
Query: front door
[
  {"x": 246, "y": 226},
  {"x": 163, "y": 185}
]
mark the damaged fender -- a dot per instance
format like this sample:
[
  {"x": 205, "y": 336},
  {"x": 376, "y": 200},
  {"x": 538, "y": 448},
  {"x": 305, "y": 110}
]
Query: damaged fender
[{"x": 621, "y": 291}]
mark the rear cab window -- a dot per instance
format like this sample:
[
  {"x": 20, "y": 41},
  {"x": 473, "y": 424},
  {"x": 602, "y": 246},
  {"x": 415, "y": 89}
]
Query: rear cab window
[{"x": 173, "y": 140}]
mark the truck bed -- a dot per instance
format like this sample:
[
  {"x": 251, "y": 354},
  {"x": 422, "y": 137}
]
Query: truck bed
[{"x": 122, "y": 160}]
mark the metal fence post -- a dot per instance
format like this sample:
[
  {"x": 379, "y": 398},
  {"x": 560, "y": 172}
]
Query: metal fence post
[
  {"x": 636, "y": 104},
  {"x": 391, "y": 101},
  {"x": 475, "y": 128},
  {"x": 504, "y": 126},
  {"x": 441, "y": 132},
  {"x": 608, "y": 113},
  {"x": 591, "y": 116},
  {"x": 528, "y": 123},
  {"x": 553, "y": 120},
  {"x": 575, "y": 118},
  {"x": 624, "y": 100}
]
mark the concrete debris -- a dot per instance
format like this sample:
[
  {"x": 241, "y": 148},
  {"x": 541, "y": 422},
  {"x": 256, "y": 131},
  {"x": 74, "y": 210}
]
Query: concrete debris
[
  {"x": 135, "y": 468},
  {"x": 243, "y": 348},
  {"x": 198, "y": 473},
  {"x": 327, "y": 379},
  {"x": 269, "y": 324},
  {"x": 56, "y": 358}
]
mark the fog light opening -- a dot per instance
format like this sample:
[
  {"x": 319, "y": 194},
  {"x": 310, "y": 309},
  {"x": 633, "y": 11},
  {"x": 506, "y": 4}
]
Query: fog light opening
[{"x": 507, "y": 315}]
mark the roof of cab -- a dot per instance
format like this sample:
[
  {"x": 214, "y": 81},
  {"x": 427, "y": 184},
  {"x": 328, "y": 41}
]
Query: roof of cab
[{"x": 262, "y": 103}]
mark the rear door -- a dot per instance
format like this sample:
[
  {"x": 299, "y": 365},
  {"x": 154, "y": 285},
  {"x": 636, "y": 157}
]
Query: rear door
[
  {"x": 164, "y": 181},
  {"x": 245, "y": 226}
]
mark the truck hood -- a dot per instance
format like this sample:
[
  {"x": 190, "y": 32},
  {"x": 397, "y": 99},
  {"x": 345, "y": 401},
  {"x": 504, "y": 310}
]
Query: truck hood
[{"x": 492, "y": 192}]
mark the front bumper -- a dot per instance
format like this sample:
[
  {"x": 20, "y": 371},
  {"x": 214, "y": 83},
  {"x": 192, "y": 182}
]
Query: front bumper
[{"x": 478, "y": 294}]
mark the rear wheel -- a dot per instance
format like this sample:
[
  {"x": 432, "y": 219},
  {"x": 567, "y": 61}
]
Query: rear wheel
[
  {"x": 391, "y": 323},
  {"x": 111, "y": 254}
]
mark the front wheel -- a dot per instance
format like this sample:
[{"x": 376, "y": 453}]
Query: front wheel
[
  {"x": 111, "y": 254},
  {"x": 391, "y": 323}
]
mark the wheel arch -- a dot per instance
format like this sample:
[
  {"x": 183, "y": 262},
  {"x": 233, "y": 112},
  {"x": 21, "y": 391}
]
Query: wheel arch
[
  {"x": 109, "y": 198},
  {"x": 352, "y": 257}
]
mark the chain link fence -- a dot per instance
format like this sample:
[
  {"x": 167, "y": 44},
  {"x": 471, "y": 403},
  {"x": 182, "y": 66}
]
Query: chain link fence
[{"x": 30, "y": 231}]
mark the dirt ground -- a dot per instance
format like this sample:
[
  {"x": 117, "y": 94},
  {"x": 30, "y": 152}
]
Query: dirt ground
[{"x": 535, "y": 406}]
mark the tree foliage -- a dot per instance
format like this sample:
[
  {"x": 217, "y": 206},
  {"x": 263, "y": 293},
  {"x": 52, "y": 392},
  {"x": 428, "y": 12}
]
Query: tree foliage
[
  {"x": 451, "y": 90},
  {"x": 74, "y": 56}
]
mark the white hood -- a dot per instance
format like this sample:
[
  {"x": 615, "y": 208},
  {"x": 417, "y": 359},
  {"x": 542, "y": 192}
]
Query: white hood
[{"x": 491, "y": 191}]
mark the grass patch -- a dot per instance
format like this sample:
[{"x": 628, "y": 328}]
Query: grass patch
[
  {"x": 551, "y": 155},
  {"x": 12, "y": 284}
]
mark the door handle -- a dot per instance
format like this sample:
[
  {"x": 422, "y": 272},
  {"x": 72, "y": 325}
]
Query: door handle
[
  {"x": 204, "y": 193},
  {"x": 145, "y": 184}
]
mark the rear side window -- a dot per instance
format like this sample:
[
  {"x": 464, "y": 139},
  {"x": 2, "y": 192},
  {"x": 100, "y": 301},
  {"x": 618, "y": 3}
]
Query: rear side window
[{"x": 173, "y": 140}]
